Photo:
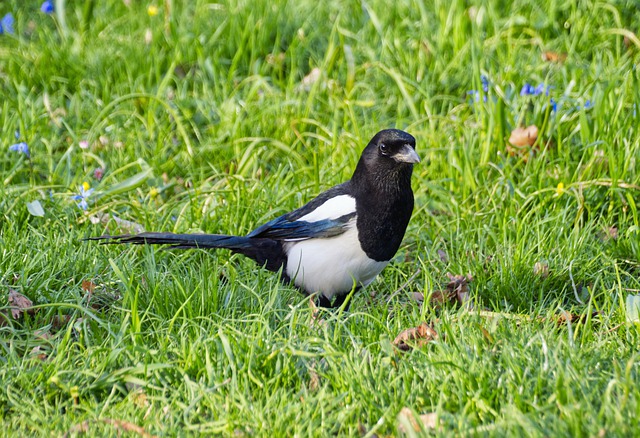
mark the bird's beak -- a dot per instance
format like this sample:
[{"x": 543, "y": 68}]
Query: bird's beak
[{"x": 406, "y": 155}]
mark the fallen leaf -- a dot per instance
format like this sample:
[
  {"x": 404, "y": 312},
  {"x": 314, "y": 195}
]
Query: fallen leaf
[
  {"x": 148, "y": 36},
  {"x": 139, "y": 398},
  {"x": 565, "y": 317},
  {"x": 43, "y": 334},
  {"x": 310, "y": 79},
  {"x": 609, "y": 233},
  {"x": 441, "y": 298},
  {"x": 416, "y": 336},
  {"x": 37, "y": 353},
  {"x": 424, "y": 421},
  {"x": 457, "y": 290},
  {"x": 19, "y": 304},
  {"x": 524, "y": 136},
  {"x": 459, "y": 285},
  {"x": 554, "y": 57},
  {"x": 314, "y": 379},
  {"x": 316, "y": 317},
  {"x": 541, "y": 269},
  {"x": 35, "y": 208},
  {"x": 88, "y": 286},
  {"x": 633, "y": 308},
  {"x": 443, "y": 256},
  {"x": 59, "y": 321}
]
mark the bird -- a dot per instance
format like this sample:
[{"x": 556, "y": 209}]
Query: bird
[{"x": 336, "y": 243}]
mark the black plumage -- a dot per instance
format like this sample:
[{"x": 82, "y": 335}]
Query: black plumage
[{"x": 339, "y": 240}]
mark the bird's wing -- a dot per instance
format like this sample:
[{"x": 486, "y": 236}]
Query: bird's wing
[
  {"x": 285, "y": 229},
  {"x": 328, "y": 215}
]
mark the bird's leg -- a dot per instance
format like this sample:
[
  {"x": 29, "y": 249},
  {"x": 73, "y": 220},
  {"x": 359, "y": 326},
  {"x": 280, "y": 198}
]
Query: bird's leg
[{"x": 339, "y": 301}]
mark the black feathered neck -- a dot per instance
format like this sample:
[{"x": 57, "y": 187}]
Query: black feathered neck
[{"x": 384, "y": 199}]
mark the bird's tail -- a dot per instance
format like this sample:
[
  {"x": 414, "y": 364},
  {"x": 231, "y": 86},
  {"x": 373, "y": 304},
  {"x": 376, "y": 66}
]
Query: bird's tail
[
  {"x": 266, "y": 252},
  {"x": 180, "y": 241}
]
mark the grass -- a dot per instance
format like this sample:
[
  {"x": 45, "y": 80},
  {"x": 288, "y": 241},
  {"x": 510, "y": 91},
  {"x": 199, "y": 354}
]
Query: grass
[{"x": 202, "y": 120}]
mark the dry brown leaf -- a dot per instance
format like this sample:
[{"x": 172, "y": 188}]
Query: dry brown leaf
[
  {"x": 554, "y": 57},
  {"x": 524, "y": 136},
  {"x": 459, "y": 285},
  {"x": 316, "y": 317},
  {"x": 38, "y": 353},
  {"x": 441, "y": 298},
  {"x": 59, "y": 321},
  {"x": 314, "y": 379},
  {"x": 425, "y": 421},
  {"x": 541, "y": 269},
  {"x": 43, "y": 334},
  {"x": 19, "y": 304},
  {"x": 457, "y": 290},
  {"x": 610, "y": 233},
  {"x": 567, "y": 317},
  {"x": 88, "y": 286},
  {"x": 139, "y": 398},
  {"x": 416, "y": 336}
]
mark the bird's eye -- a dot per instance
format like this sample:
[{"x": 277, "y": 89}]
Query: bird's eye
[{"x": 384, "y": 150}]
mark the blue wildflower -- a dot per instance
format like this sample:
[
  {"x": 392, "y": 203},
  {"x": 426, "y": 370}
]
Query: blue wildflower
[
  {"x": 541, "y": 88},
  {"x": 47, "y": 7},
  {"x": 554, "y": 105},
  {"x": 530, "y": 90},
  {"x": 587, "y": 105},
  {"x": 85, "y": 192},
  {"x": 527, "y": 89},
  {"x": 21, "y": 147},
  {"x": 6, "y": 24},
  {"x": 476, "y": 96},
  {"x": 485, "y": 83}
]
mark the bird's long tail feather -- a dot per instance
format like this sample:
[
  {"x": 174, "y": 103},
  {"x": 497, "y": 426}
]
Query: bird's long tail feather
[
  {"x": 266, "y": 252},
  {"x": 180, "y": 241}
]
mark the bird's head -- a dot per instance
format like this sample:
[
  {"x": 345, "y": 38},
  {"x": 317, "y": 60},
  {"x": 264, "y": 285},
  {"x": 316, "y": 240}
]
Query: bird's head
[
  {"x": 393, "y": 144},
  {"x": 389, "y": 156}
]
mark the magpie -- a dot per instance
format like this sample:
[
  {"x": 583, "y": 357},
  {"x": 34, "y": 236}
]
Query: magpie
[{"x": 340, "y": 240}]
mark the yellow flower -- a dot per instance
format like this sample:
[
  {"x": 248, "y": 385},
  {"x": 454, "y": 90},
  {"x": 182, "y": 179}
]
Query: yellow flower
[
  {"x": 560, "y": 189},
  {"x": 85, "y": 186},
  {"x": 153, "y": 193},
  {"x": 152, "y": 10}
]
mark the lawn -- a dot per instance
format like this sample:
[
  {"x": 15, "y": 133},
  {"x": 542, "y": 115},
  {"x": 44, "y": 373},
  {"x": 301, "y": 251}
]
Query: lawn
[{"x": 195, "y": 116}]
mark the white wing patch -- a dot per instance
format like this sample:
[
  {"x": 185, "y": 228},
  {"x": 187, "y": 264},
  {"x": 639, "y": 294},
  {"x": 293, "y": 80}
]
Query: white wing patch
[
  {"x": 331, "y": 209},
  {"x": 331, "y": 265}
]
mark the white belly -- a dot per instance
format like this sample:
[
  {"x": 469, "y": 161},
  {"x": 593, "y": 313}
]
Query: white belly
[{"x": 331, "y": 265}]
